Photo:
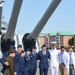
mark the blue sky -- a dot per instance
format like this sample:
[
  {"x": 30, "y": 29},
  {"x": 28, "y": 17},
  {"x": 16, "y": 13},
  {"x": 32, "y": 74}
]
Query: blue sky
[{"x": 63, "y": 18}]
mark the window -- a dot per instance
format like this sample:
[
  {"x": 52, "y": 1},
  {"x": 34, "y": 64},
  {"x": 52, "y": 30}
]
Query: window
[
  {"x": 47, "y": 40},
  {"x": 57, "y": 39}
]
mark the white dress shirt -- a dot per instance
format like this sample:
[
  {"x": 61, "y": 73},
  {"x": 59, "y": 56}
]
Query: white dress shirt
[{"x": 65, "y": 59}]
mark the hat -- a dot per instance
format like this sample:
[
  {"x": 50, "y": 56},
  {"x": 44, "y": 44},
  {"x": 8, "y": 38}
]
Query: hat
[
  {"x": 44, "y": 45},
  {"x": 12, "y": 47},
  {"x": 34, "y": 47},
  {"x": 28, "y": 49},
  {"x": 22, "y": 51},
  {"x": 19, "y": 46},
  {"x": 53, "y": 43},
  {"x": 12, "y": 51},
  {"x": 62, "y": 47}
]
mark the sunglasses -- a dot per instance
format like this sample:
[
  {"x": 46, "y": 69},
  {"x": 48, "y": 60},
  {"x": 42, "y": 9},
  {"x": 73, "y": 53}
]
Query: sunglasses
[{"x": 62, "y": 50}]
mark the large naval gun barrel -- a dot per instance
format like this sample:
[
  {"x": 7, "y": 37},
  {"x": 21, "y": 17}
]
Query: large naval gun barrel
[
  {"x": 30, "y": 39},
  {"x": 7, "y": 39}
]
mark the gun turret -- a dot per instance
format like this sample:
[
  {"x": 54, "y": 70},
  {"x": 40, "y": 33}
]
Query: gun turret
[
  {"x": 29, "y": 39},
  {"x": 7, "y": 39}
]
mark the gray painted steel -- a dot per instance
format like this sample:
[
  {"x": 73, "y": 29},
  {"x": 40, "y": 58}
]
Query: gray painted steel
[
  {"x": 13, "y": 20},
  {"x": 40, "y": 25}
]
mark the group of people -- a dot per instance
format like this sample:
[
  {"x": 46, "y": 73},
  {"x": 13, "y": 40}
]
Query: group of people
[{"x": 18, "y": 62}]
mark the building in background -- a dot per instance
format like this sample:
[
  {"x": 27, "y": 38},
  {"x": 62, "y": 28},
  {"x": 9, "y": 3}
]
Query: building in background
[{"x": 61, "y": 38}]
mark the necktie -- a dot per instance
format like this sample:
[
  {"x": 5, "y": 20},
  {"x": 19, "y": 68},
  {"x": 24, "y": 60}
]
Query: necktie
[
  {"x": 71, "y": 61},
  {"x": 34, "y": 53},
  {"x": 62, "y": 58},
  {"x": 28, "y": 57}
]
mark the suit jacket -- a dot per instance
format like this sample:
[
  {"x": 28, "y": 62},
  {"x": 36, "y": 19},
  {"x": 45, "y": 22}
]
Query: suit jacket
[
  {"x": 9, "y": 69},
  {"x": 33, "y": 60},
  {"x": 22, "y": 65},
  {"x": 3, "y": 57},
  {"x": 2, "y": 60},
  {"x": 17, "y": 63},
  {"x": 27, "y": 62},
  {"x": 43, "y": 59}
]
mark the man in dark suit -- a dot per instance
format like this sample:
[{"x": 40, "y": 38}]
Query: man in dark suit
[
  {"x": 22, "y": 63},
  {"x": 43, "y": 56},
  {"x": 19, "y": 61},
  {"x": 33, "y": 64},
  {"x": 27, "y": 62}
]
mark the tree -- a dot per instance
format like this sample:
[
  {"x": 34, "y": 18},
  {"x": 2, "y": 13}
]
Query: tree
[{"x": 71, "y": 41}]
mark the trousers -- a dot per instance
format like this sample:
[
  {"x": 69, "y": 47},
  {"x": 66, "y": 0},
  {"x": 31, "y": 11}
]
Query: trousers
[
  {"x": 63, "y": 70},
  {"x": 54, "y": 70},
  {"x": 71, "y": 69}
]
